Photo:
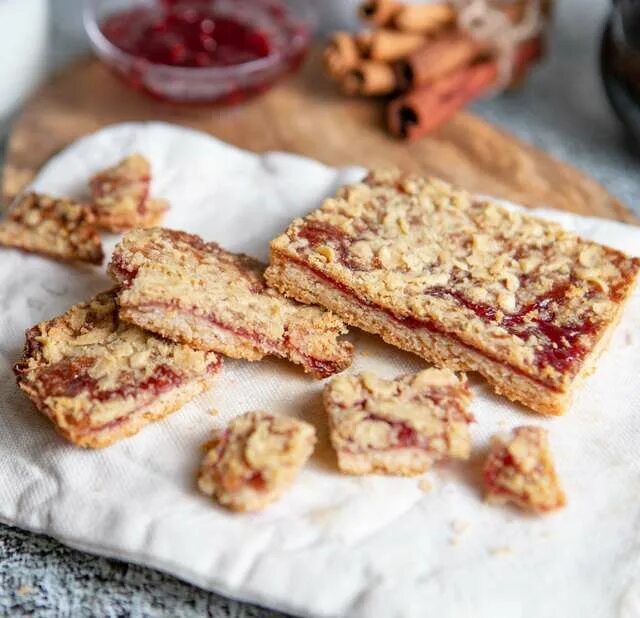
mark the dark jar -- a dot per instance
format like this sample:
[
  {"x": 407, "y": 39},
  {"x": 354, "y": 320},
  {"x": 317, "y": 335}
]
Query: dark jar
[{"x": 620, "y": 64}]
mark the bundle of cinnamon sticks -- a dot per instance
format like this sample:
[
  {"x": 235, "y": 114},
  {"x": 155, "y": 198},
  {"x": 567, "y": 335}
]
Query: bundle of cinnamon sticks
[{"x": 419, "y": 57}]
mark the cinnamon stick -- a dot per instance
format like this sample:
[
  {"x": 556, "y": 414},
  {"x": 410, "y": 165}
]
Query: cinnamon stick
[
  {"x": 369, "y": 78},
  {"x": 379, "y": 12},
  {"x": 388, "y": 45},
  {"x": 422, "y": 110},
  {"x": 340, "y": 55},
  {"x": 437, "y": 58},
  {"x": 425, "y": 18}
]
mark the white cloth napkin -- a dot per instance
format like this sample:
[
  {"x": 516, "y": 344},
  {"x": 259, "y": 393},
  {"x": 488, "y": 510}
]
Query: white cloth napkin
[{"x": 334, "y": 545}]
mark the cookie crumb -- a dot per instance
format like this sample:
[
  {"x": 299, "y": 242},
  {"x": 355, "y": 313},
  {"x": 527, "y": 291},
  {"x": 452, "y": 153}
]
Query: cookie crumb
[
  {"x": 425, "y": 485},
  {"x": 24, "y": 590},
  {"x": 213, "y": 412},
  {"x": 503, "y": 550},
  {"x": 459, "y": 528}
]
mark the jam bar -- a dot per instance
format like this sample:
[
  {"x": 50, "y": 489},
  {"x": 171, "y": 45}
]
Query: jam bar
[
  {"x": 120, "y": 196},
  {"x": 463, "y": 282},
  {"x": 519, "y": 469},
  {"x": 57, "y": 228},
  {"x": 187, "y": 290},
  {"x": 399, "y": 426},
  {"x": 251, "y": 463},
  {"x": 100, "y": 380}
]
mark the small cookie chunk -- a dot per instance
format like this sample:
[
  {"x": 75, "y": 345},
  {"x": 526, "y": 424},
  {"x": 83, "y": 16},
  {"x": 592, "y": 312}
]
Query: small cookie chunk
[
  {"x": 249, "y": 464},
  {"x": 461, "y": 281},
  {"x": 58, "y": 228},
  {"x": 120, "y": 196},
  {"x": 100, "y": 380},
  {"x": 188, "y": 290},
  {"x": 399, "y": 426},
  {"x": 520, "y": 469}
]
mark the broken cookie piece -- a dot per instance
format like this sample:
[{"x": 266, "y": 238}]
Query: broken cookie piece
[
  {"x": 55, "y": 227},
  {"x": 183, "y": 288},
  {"x": 520, "y": 469},
  {"x": 100, "y": 380},
  {"x": 399, "y": 426},
  {"x": 251, "y": 463},
  {"x": 120, "y": 196}
]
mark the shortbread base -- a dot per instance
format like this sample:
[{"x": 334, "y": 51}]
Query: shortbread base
[{"x": 398, "y": 462}]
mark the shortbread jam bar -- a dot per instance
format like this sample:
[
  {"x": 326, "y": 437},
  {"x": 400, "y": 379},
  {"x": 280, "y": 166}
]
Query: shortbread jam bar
[
  {"x": 187, "y": 290},
  {"x": 463, "y": 282},
  {"x": 399, "y": 426},
  {"x": 100, "y": 380},
  {"x": 121, "y": 199},
  {"x": 520, "y": 469},
  {"x": 255, "y": 459},
  {"x": 58, "y": 228}
]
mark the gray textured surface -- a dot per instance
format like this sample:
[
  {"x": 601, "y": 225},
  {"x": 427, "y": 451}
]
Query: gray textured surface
[{"x": 561, "y": 109}]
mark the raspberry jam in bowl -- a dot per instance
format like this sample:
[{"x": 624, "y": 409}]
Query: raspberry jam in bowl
[{"x": 200, "y": 51}]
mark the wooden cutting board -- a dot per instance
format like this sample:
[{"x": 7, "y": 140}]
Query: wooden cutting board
[{"x": 305, "y": 115}]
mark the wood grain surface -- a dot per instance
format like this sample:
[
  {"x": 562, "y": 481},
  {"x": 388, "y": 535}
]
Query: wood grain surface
[{"x": 305, "y": 115}]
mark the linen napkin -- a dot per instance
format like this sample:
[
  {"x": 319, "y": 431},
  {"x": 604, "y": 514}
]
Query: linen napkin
[{"x": 334, "y": 545}]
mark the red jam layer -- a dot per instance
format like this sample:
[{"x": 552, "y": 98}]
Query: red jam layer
[
  {"x": 185, "y": 34},
  {"x": 414, "y": 323},
  {"x": 565, "y": 347},
  {"x": 494, "y": 468},
  {"x": 70, "y": 378},
  {"x": 405, "y": 436}
]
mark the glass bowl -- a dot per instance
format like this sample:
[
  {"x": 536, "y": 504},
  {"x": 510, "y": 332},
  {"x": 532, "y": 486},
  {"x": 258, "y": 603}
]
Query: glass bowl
[{"x": 287, "y": 25}]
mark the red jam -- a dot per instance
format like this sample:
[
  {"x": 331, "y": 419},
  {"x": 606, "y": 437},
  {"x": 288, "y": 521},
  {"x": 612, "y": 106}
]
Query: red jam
[
  {"x": 185, "y": 34},
  {"x": 561, "y": 358},
  {"x": 564, "y": 347},
  {"x": 206, "y": 34},
  {"x": 69, "y": 378}
]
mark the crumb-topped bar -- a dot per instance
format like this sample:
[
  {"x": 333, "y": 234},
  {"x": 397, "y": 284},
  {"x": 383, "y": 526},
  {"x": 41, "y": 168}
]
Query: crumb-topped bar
[
  {"x": 520, "y": 469},
  {"x": 255, "y": 459},
  {"x": 463, "y": 282},
  {"x": 120, "y": 196},
  {"x": 58, "y": 228},
  {"x": 100, "y": 380},
  {"x": 399, "y": 426},
  {"x": 188, "y": 290}
]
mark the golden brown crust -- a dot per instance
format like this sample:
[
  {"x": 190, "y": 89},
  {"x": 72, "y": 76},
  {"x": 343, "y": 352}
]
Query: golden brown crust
[
  {"x": 183, "y": 288},
  {"x": 521, "y": 292},
  {"x": 399, "y": 426},
  {"x": 57, "y": 228},
  {"x": 251, "y": 463},
  {"x": 100, "y": 380},
  {"x": 120, "y": 196},
  {"x": 520, "y": 469}
]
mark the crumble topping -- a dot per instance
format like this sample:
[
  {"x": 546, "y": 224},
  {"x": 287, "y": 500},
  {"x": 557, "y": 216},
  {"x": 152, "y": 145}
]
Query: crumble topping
[
  {"x": 59, "y": 228},
  {"x": 249, "y": 464},
  {"x": 189, "y": 290},
  {"x": 520, "y": 469},
  {"x": 120, "y": 196},
  {"x": 86, "y": 370},
  {"x": 426, "y": 411},
  {"x": 520, "y": 289}
]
